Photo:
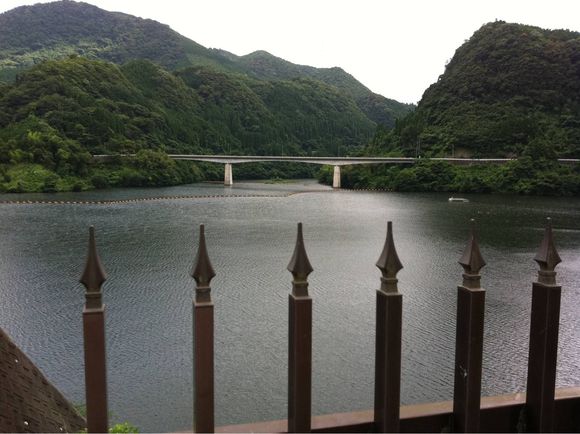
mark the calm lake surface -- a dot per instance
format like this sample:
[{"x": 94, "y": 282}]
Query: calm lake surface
[{"x": 148, "y": 248}]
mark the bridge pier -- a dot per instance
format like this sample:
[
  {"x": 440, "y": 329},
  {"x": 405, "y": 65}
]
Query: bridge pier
[
  {"x": 228, "y": 175},
  {"x": 336, "y": 177}
]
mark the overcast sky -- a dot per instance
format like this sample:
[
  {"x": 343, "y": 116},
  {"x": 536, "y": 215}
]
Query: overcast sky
[{"x": 396, "y": 48}]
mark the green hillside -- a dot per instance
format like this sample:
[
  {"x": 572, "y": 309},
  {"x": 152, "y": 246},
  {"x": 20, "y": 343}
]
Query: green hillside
[
  {"x": 31, "y": 34},
  {"x": 505, "y": 89},
  {"x": 79, "y": 80},
  {"x": 57, "y": 113},
  {"x": 379, "y": 109},
  {"x": 48, "y": 31},
  {"x": 509, "y": 91}
]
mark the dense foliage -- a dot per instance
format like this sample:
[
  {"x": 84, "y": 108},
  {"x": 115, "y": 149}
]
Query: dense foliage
[
  {"x": 507, "y": 86},
  {"x": 59, "y": 104},
  {"x": 523, "y": 176},
  {"x": 377, "y": 108},
  {"x": 31, "y": 34},
  {"x": 58, "y": 113},
  {"x": 509, "y": 91}
]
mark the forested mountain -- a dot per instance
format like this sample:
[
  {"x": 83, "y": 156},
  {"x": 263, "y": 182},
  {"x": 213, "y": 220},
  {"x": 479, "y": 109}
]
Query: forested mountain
[
  {"x": 112, "y": 109},
  {"x": 48, "y": 31},
  {"x": 508, "y": 88},
  {"x": 30, "y": 34},
  {"x": 264, "y": 65},
  {"x": 57, "y": 113},
  {"x": 76, "y": 80},
  {"x": 511, "y": 90}
]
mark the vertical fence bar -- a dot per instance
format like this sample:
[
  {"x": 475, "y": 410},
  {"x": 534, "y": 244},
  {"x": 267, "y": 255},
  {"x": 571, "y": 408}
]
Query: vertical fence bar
[
  {"x": 300, "y": 341},
  {"x": 203, "y": 341},
  {"x": 469, "y": 340},
  {"x": 93, "y": 278},
  {"x": 388, "y": 340},
  {"x": 543, "y": 338}
]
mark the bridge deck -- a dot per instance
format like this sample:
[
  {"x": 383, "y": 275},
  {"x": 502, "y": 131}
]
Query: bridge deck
[{"x": 334, "y": 161}]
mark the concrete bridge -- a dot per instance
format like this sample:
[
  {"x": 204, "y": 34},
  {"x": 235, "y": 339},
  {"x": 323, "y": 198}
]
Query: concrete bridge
[{"x": 337, "y": 162}]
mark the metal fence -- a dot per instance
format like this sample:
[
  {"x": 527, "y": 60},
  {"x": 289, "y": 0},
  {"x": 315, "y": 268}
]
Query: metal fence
[{"x": 542, "y": 411}]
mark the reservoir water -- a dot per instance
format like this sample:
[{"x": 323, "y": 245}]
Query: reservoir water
[{"x": 148, "y": 248}]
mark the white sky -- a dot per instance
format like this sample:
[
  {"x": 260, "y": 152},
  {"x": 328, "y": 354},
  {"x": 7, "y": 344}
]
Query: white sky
[{"x": 396, "y": 48}]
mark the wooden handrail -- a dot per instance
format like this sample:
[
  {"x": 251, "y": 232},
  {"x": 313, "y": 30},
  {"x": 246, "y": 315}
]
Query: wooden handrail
[{"x": 499, "y": 413}]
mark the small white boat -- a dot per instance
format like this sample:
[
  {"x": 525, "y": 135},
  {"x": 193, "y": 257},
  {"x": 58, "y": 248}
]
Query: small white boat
[{"x": 458, "y": 199}]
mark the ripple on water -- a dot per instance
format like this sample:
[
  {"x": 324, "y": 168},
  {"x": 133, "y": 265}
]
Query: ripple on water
[{"x": 148, "y": 249}]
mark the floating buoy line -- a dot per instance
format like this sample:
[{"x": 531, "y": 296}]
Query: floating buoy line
[
  {"x": 151, "y": 199},
  {"x": 179, "y": 197}
]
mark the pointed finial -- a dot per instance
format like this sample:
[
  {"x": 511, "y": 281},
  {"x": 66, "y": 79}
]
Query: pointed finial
[
  {"x": 94, "y": 274},
  {"x": 202, "y": 270},
  {"x": 299, "y": 264},
  {"x": 547, "y": 257},
  {"x": 389, "y": 263},
  {"x": 472, "y": 261}
]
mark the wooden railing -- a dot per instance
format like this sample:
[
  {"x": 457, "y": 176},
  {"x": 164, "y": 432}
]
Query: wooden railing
[{"x": 539, "y": 410}]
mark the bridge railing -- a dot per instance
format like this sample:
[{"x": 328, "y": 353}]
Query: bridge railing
[{"x": 541, "y": 410}]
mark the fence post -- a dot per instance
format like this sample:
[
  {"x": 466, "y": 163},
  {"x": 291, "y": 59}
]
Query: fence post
[
  {"x": 300, "y": 341},
  {"x": 388, "y": 340},
  {"x": 543, "y": 338},
  {"x": 203, "y": 366},
  {"x": 469, "y": 340},
  {"x": 93, "y": 278}
]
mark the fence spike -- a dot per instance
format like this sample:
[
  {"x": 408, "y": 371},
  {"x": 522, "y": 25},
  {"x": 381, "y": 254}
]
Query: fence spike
[
  {"x": 299, "y": 264},
  {"x": 389, "y": 262},
  {"x": 299, "y": 341},
  {"x": 203, "y": 341},
  {"x": 543, "y": 347},
  {"x": 202, "y": 270},
  {"x": 94, "y": 341},
  {"x": 94, "y": 274},
  {"x": 469, "y": 340},
  {"x": 547, "y": 256},
  {"x": 389, "y": 313},
  {"x": 471, "y": 260}
]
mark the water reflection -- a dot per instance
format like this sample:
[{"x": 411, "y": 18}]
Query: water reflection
[{"x": 148, "y": 247}]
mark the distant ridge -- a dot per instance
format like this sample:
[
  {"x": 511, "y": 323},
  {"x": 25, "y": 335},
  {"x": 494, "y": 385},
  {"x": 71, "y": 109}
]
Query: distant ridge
[
  {"x": 48, "y": 31},
  {"x": 29, "y": 34},
  {"x": 379, "y": 109}
]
